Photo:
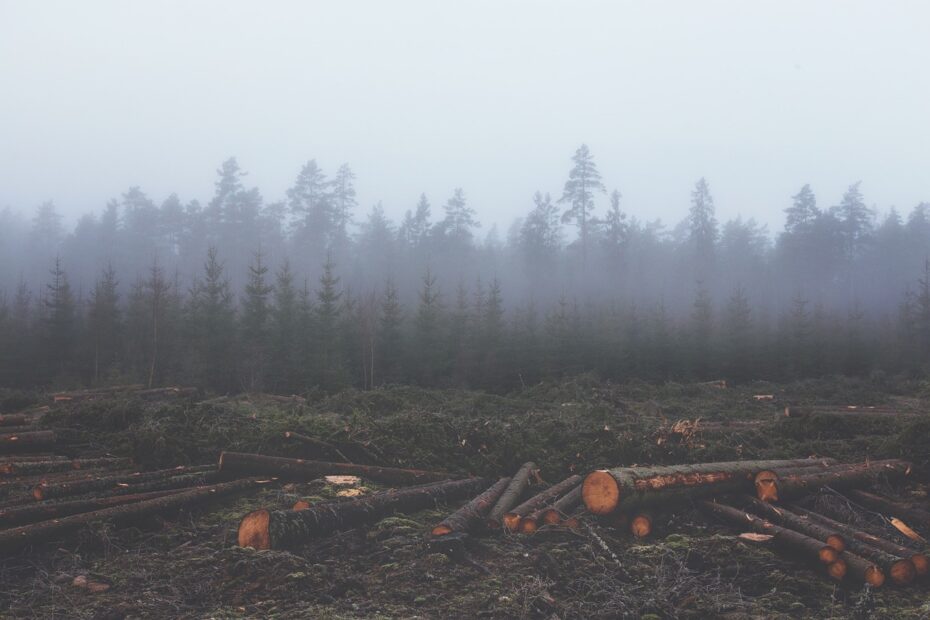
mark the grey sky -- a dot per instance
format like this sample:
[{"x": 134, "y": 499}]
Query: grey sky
[{"x": 490, "y": 96}]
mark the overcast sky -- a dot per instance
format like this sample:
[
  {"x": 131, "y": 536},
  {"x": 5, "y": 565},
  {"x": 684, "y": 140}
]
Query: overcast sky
[{"x": 759, "y": 97}]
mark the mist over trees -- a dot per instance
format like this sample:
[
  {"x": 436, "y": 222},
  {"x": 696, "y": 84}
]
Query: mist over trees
[{"x": 242, "y": 293}]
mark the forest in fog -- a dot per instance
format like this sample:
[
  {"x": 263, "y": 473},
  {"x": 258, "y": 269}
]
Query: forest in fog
[{"x": 314, "y": 291}]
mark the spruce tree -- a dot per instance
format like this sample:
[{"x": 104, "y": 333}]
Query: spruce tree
[
  {"x": 60, "y": 321},
  {"x": 105, "y": 327},
  {"x": 212, "y": 326},
  {"x": 390, "y": 335}
]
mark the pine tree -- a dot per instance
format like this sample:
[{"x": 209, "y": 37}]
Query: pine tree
[
  {"x": 255, "y": 325},
  {"x": 390, "y": 335},
  {"x": 583, "y": 180},
  {"x": 802, "y": 213},
  {"x": 428, "y": 356},
  {"x": 702, "y": 325},
  {"x": 615, "y": 230},
  {"x": 212, "y": 326},
  {"x": 739, "y": 357},
  {"x": 856, "y": 219},
  {"x": 702, "y": 223},
  {"x": 459, "y": 221},
  {"x": 540, "y": 237},
  {"x": 105, "y": 324},
  {"x": 342, "y": 197},
  {"x": 60, "y": 321},
  {"x": 330, "y": 364},
  {"x": 287, "y": 334}
]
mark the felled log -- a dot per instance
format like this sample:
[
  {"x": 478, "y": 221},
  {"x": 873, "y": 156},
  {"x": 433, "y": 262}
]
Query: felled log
[
  {"x": 317, "y": 444},
  {"x": 511, "y": 495},
  {"x": 167, "y": 392},
  {"x": 31, "y": 458},
  {"x": 25, "y": 468},
  {"x": 260, "y": 464},
  {"x": 45, "y": 491},
  {"x": 473, "y": 512},
  {"x": 850, "y": 412},
  {"x": 562, "y": 508},
  {"x": 16, "y": 484},
  {"x": 31, "y": 513},
  {"x": 641, "y": 524},
  {"x": 33, "y": 441},
  {"x": 784, "y": 517},
  {"x": 288, "y": 529},
  {"x": 603, "y": 490},
  {"x": 916, "y": 516},
  {"x": 786, "y": 538},
  {"x": 513, "y": 516},
  {"x": 53, "y": 529},
  {"x": 787, "y": 487},
  {"x": 918, "y": 559},
  {"x": 766, "y": 481},
  {"x": 15, "y": 420}
]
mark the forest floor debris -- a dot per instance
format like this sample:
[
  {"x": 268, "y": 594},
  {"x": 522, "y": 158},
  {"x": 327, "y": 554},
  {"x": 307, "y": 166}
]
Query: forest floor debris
[{"x": 189, "y": 565}]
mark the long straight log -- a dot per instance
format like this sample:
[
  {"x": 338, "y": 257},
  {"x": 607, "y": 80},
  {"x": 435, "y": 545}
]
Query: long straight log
[
  {"x": 18, "y": 430},
  {"x": 15, "y": 484},
  {"x": 808, "y": 527},
  {"x": 874, "y": 412},
  {"x": 788, "y": 487},
  {"x": 45, "y": 491},
  {"x": 260, "y": 464},
  {"x": 603, "y": 490},
  {"x": 287, "y": 529},
  {"x": 918, "y": 559},
  {"x": 317, "y": 444},
  {"x": 53, "y": 529},
  {"x": 804, "y": 546},
  {"x": 26, "y": 468},
  {"x": 788, "y": 539},
  {"x": 916, "y": 516},
  {"x": 33, "y": 441},
  {"x": 473, "y": 512},
  {"x": 14, "y": 419},
  {"x": 511, "y": 495},
  {"x": 562, "y": 508},
  {"x": 32, "y": 513},
  {"x": 31, "y": 458},
  {"x": 766, "y": 481},
  {"x": 513, "y": 516}
]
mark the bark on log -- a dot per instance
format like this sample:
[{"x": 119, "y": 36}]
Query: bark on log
[
  {"x": 33, "y": 441},
  {"x": 28, "y": 483},
  {"x": 45, "y": 491},
  {"x": 513, "y": 516},
  {"x": 26, "y": 468},
  {"x": 788, "y": 487},
  {"x": 168, "y": 392},
  {"x": 287, "y": 529},
  {"x": 804, "y": 546},
  {"x": 260, "y": 464},
  {"x": 317, "y": 444},
  {"x": 32, "y": 513},
  {"x": 918, "y": 559},
  {"x": 855, "y": 412},
  {"x": 54, "y": 528},
  {"x": 511, "y": 494},
  {"x": 766, "y": 481},
  {"x": 808, "y": 527},
  {"x": 915, "y": 516},
  {"x": 473, "y": 512},
  {"x": 563, "y": 508},
  {"x": 31, "y": 458},
  {"x": 603, "y": 490},
  {"x": 14, "y": 419}
]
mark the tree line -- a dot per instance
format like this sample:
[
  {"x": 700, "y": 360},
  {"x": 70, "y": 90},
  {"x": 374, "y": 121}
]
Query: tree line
[{"x": 240, "y": 294}]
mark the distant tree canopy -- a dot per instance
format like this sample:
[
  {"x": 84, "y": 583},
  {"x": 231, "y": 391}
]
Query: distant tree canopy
[{"x": 303, "y": 292}]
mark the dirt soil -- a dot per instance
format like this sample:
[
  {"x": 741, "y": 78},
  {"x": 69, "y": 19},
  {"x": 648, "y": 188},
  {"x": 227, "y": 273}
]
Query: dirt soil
[{"x": 188, "y": 565}]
